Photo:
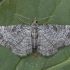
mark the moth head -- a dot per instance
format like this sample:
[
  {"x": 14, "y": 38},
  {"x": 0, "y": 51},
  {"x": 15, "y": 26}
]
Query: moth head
[{"x": 35, "y": 21}]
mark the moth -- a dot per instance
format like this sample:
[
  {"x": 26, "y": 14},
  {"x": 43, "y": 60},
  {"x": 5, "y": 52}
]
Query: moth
[{"x": 45, "y": 39}]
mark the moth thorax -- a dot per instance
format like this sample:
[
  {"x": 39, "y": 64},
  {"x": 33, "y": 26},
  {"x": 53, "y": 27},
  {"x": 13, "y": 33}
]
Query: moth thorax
[{"x": 34, "y": 32}]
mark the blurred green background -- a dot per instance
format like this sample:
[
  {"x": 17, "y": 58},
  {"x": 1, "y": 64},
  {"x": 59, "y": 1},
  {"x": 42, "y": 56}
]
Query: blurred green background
[{"x": 54, "y": 12}]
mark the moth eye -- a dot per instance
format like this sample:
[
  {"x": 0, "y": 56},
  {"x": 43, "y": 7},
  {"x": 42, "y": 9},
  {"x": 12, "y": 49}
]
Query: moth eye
[{"x": 36, "y": 21}]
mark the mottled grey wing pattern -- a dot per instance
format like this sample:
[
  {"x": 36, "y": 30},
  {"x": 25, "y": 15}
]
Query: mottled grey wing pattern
[
  {"x": 16, "y": 37},
  {"x": 51, "y": 37}
]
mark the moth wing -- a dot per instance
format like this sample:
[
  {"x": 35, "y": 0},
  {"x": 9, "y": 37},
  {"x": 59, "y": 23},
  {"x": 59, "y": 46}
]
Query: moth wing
[
  {"x": 16, "y": 37},
  {"x": 51, "y": 37}
]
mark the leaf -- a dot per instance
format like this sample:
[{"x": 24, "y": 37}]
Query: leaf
[{"x": 55, "y": 11}]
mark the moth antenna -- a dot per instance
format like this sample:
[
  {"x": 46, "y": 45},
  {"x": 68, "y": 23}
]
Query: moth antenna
[
  {"x": 46, "y": 17},
  {"x": 23, "y": 16},
  {"x": 23, "y": 21}
]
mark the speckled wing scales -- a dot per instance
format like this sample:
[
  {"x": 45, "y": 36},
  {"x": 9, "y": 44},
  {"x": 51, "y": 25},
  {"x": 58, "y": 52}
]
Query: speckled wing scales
[
  {"x": 51, "y": 37},
  {"x": 16, "y": 37}
]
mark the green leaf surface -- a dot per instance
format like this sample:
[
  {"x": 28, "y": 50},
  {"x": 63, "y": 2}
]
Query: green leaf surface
[{"x": 54, "y": 12}]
